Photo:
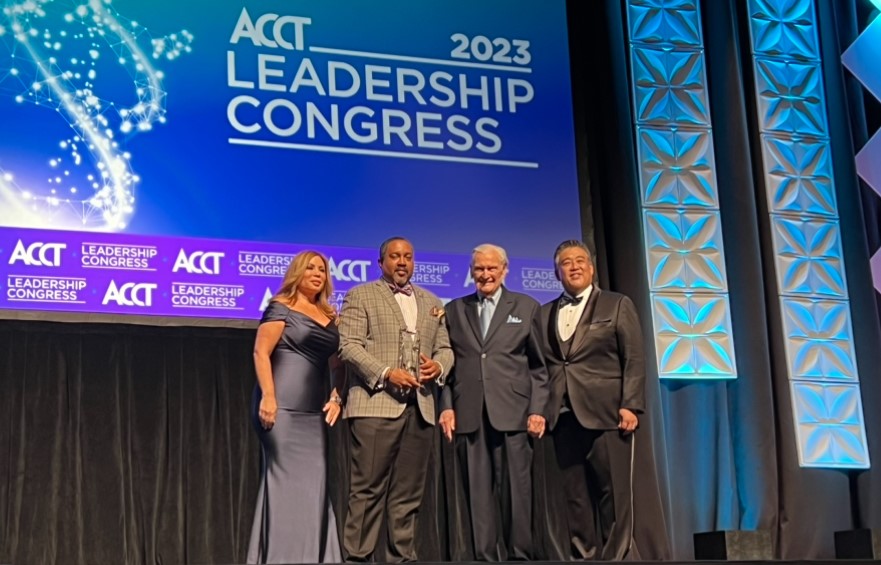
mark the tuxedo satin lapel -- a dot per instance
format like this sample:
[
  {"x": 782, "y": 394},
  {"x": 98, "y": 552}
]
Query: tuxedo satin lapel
[
  {"x": 389, "y": 297},
  {"x": 553, "y": 337},
  {"x": 470, "y": 306},
  {"x": 583, "y": 327},
  {"x": 500, "y": 316}
]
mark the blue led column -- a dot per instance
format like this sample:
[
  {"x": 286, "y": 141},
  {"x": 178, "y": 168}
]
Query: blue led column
[
  {"x": 803, "y": 217},
  {"x": 691, "y": 314}
]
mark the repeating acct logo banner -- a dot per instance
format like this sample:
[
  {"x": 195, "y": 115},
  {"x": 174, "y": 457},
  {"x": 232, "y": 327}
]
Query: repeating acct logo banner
[{"x": 77, "y": 272}]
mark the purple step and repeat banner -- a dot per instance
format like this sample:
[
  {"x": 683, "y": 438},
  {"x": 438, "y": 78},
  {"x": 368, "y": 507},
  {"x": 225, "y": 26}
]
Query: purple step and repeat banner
[
  {"x": 148, "y": 150},
  {"x": 76, "y": 272}
]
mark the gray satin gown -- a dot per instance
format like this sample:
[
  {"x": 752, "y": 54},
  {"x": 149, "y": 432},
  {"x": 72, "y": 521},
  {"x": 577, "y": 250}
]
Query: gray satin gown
[{"x": 294, "y": 521}]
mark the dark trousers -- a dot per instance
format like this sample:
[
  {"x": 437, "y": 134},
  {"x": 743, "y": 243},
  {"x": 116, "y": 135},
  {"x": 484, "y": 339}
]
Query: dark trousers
[
  {"x": 492, "y": 461},
  {"x": 597, "y": 476},
  {"x": 389, "y": 465}
]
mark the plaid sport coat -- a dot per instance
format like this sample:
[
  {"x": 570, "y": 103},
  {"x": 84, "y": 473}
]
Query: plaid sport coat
[{"x": 370, "y": 329}]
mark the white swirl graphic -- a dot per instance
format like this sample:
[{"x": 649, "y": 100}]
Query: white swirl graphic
[{"x": 62, "y": 55}]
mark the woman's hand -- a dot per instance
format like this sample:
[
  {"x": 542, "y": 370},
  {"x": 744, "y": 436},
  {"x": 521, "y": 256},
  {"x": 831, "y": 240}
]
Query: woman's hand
[
  {"x": 267, "y": 411},
  {"x": 332, "y": 410}
]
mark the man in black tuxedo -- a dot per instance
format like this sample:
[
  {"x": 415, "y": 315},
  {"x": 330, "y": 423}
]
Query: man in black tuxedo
[
  {"x": 494, "y": 400},
  {"x": 594, "y": 352}
]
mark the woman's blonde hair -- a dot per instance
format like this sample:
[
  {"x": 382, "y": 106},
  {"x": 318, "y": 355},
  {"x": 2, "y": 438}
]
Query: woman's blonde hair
[{"x": 287, "y": 294}]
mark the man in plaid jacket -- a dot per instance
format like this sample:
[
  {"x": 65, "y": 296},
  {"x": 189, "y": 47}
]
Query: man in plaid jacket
[{"x": 391, "y": 411}]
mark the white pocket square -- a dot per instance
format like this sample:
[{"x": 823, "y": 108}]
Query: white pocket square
[{"x": 514, "y": 320}]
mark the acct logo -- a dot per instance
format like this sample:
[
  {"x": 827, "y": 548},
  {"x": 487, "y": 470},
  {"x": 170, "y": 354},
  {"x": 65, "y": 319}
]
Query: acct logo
[
  {"x": 130, "y": 294},
  {"x": 348, "y": 270},
  {"x": 198, "y": 262},
  {"x": 37, "y": 254},
  {"x": 255, "y": 30}
]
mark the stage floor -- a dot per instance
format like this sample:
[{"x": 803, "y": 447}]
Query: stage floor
[{"x": 774, "y": 562}]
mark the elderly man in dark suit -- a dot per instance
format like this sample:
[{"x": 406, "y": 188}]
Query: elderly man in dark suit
[
  {"x": 391, "y": 411},
  {"x": 594, "y": 352},
  {"x": 494, "y": 400}
]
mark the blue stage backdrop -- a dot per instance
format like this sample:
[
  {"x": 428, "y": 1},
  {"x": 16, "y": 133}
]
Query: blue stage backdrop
[{"x": 333, "y": 123}]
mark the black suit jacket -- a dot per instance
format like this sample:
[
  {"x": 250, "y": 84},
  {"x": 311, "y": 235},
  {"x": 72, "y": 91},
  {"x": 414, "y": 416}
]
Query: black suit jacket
[
  {"x": 605, "y": 366},
  {"x": 506, "y": 370}
]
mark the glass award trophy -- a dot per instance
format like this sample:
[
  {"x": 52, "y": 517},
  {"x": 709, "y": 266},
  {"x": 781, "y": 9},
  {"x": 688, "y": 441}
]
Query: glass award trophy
[{"x": 408, "y": 358}]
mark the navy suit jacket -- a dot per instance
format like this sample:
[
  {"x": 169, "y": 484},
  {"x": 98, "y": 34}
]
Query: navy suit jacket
[{"x": 505, "y": 371}]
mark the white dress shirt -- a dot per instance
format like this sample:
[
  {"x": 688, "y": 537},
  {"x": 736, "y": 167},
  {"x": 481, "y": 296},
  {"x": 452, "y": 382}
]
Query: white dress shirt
[
  {"x": 408, "y": 309},
  {"x": 569, "y": 315}
]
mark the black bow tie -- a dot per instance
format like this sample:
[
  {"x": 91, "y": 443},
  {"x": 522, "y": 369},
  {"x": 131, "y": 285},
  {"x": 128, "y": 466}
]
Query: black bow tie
[{"x": 573, "y": 300}]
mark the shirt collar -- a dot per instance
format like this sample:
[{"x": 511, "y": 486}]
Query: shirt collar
[{"x": 494, "y": 297}]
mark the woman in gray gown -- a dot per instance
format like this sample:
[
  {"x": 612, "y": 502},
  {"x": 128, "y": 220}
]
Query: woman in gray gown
[{"x": 294, "y": 352}]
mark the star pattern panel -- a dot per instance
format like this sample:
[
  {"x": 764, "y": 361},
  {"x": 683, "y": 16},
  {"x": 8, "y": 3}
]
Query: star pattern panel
[
  {"x": 685, "y": 255},
  {"x": 805, "y": 228}
]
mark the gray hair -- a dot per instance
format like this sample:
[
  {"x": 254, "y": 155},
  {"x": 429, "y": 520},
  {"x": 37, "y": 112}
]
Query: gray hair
[
  {"x": 569, "y": 244},
  {"x": 490, "y": 248}
]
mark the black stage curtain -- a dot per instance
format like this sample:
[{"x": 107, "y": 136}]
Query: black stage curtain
[
  {"x": 133, "y": 444},
  {"x": 124, "y": 444},
  {"x": 856, "y": 116}
]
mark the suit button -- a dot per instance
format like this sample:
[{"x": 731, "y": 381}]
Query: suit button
[{"x": 483, "y": 355}]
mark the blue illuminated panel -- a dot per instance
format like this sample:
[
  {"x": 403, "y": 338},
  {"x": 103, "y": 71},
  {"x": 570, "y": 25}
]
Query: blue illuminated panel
[
  {"x": 691, "y": 314},
  {"x": 803, "y": 215}
]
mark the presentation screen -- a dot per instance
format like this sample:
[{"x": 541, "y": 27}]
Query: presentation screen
[{"x": 169, "y": 158}]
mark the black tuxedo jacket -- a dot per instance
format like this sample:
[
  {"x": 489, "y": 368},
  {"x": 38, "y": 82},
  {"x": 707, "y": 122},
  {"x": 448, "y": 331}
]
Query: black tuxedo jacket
[
  {"x": 506, "y": 370},
  {"x": 603, "y": 368}
]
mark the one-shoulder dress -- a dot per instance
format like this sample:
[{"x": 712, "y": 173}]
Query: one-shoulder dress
[{"x": 294, "y": 521}]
